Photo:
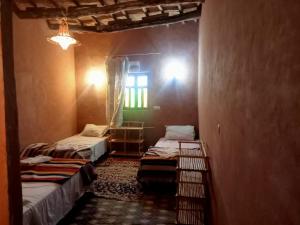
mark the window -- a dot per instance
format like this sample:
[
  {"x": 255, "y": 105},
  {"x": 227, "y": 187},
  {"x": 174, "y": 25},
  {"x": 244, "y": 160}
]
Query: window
[{"x": 136, "y": 91}]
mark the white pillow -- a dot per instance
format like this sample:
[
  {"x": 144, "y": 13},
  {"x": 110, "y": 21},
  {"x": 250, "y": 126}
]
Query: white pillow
[
  {"x": 185, "y": 132},
  {"x": 92, "y": 130}
]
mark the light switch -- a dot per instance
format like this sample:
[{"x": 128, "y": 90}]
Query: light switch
[
  {"x": 219, "y": 128},
  {"x": 156, "y": 107}
]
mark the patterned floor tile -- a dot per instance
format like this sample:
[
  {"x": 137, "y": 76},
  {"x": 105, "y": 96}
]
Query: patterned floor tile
[{"x": 93, "y": 210}]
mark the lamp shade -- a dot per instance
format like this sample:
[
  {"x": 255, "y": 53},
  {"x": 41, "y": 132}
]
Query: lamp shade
[{"x": 63, "y": 38}]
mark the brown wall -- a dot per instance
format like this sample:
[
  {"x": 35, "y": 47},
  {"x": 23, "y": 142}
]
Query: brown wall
[
  {"x": 249, "y": 83},
  {"x": 45, "y": 78},
  {"x": 177, "y": 100},
  {"x": 4, "y": 212}
]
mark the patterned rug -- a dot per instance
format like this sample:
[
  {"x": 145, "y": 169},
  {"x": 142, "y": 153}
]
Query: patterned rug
[{"x": 116, "y": 179}]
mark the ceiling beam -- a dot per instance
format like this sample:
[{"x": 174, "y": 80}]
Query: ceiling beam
[
  {"x": 127, "y": 25},
  {"x": 53, "y": 2},
  {"x": 84, "y": 10},
  {"x": 33, "y": 3},
  {"x": 102, "y": 2},
  {"x": 76, "y": 2}
]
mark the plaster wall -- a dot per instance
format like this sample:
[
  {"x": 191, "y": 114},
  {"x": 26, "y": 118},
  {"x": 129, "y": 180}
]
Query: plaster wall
[
  {"x": 177, "y": 100},
  {"x": 45, "y": 79},
  {"x": 4, "y": 212},
  {"x": 249, "y": 88}
]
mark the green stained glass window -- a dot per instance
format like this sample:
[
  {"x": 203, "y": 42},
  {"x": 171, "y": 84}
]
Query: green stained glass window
[
  {"x": 130, "y": 81},
  {"x": 136, "y": 91},
  {"x": 132, "y": 97},
  {"x": 145, "y": 97},
  {"x": 126, "y": 98},
  {"x": 142, "y": 81}
]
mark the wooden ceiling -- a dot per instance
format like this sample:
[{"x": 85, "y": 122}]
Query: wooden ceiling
[{"x": 109, "y": 15}]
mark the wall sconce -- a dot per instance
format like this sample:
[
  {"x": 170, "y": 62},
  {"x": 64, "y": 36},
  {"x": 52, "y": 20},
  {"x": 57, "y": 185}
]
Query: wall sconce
[
  {"x": 175, "y": 69},
  {"x": 96, "y": 77}
]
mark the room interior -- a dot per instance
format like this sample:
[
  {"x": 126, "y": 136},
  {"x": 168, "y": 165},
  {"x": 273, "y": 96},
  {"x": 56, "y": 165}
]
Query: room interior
[{"x": 239, "y": 92}]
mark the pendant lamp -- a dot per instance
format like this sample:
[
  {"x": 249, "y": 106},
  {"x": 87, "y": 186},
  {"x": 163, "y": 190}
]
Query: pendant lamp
[{"x": 64, "y": 39}]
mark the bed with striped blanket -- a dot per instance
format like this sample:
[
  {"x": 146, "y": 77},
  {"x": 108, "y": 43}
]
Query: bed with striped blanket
[
  {"x": 51, "y": 188},
  {"x": 57, "y": 170},
  {"x": 74, "y": 147},
  {"x": 49, "y": 150}
]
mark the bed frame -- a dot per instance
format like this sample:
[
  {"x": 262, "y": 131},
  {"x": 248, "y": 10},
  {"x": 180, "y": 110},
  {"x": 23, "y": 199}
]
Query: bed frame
[{"x": 155, "y": 170}]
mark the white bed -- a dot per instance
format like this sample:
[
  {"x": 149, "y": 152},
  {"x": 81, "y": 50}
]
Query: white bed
[
  {"x": 166, "y": 143},
  {"x": 46, "y": 203},
  {"x": 88, "y": 147},
  {"x": 158, "y": 164}
]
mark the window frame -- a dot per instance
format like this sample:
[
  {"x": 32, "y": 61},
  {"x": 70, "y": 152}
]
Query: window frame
[{"x": 136, "y": 87}]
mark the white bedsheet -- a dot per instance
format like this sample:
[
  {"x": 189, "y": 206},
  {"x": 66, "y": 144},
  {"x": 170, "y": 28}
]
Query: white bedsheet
[
  {"x": 88, "y": 147},
  {"x": 46, "y": 203},
  {"x": 165, "y": 143}
]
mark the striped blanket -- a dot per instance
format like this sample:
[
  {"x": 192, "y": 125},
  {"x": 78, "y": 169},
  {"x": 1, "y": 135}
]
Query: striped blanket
[
  {"x": 55, "y": 170},
  {"x": 49, "y": 150}
]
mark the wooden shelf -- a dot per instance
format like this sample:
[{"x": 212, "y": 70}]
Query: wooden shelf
[
  {"x": 190, "y": 204},
  {"x": 190, "y": 176},
  {"x": 127, "y": 128},
  {"x": 136, "y": 141},
  {"x": 130, "y": 133},
  {"x": 192, "y": 163},
  {"x": 191, "y": 197},
  {"x": 191, "y": 190},
  {"x": 191, "y": 153},
  {"x": 126, "y": 154},
  {"x": 190, "y": 217}
]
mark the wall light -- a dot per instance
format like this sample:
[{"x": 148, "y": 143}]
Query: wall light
[
  {"x": 96, "y": 76},
  {"x": 175, "y": 69}
]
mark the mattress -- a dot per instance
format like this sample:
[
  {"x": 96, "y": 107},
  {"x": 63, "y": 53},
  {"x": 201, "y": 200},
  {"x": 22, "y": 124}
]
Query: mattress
[
  {"x": 46, "y": 203},
  {"x": 165, "y": 143},
  {"x": 157, "y": 169},
  {"x": 88, "y": 147}
]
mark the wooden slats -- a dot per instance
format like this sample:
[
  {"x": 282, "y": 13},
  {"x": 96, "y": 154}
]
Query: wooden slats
[
  {"x": 124, "y": 15},
  {"x": 190, "y": 217},
  {"x": 43, "y": 12},
  {"x": 113, "y": 27},
  {"x": 191, "y": 190},
  {"x": 191, "y": 185},
  {"x": 187, "y": 163},
  {"x": 191, "y": 152},
  {"x": 190, "y": 176}
]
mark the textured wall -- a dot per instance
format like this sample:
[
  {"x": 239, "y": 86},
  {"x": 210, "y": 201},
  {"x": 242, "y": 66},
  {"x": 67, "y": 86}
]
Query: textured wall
[
  {"x": 249, "y": 83},
  {"x": 178, "y": 100},
  {"x": 4, "y": 212},
  {"x": 45, "y": 80}
]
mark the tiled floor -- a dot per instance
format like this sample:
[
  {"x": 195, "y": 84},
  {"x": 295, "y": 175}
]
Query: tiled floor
[{"x": 151, "y": 209}]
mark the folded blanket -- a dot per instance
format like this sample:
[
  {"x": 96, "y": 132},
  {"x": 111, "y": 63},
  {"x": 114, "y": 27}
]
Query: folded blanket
[
  {"x": 162, "y": 152},
  {"x": 57, "y": 170},
  {"x": 50, "y": 150},
  {"x": 35, "y": 160},
  {"x": 33, "y": 150}
]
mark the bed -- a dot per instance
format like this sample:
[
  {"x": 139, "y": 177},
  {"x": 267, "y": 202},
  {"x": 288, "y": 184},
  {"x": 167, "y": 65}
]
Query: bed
[
  {"x": 90, "y": 144},
  {"x": 45, "y": 203},
  {"x": 158, "y": 164},
  {"x": 91, "y": 148}
]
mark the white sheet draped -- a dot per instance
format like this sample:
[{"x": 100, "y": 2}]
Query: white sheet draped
[{"x": 117, "y": 70}]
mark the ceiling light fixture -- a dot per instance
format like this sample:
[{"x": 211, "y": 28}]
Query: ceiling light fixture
[{"x": 64, "y": 39}]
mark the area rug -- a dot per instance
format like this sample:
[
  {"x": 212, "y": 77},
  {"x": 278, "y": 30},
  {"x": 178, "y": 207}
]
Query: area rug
[{"x": 116, "y": 179}]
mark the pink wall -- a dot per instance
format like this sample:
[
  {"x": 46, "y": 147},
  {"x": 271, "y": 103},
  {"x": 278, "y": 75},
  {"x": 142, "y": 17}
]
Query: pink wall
[
  {"x": 45, "y": 78},
  {"x": 178, "y": 100},
  {"x": 249, "y": 83}
]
